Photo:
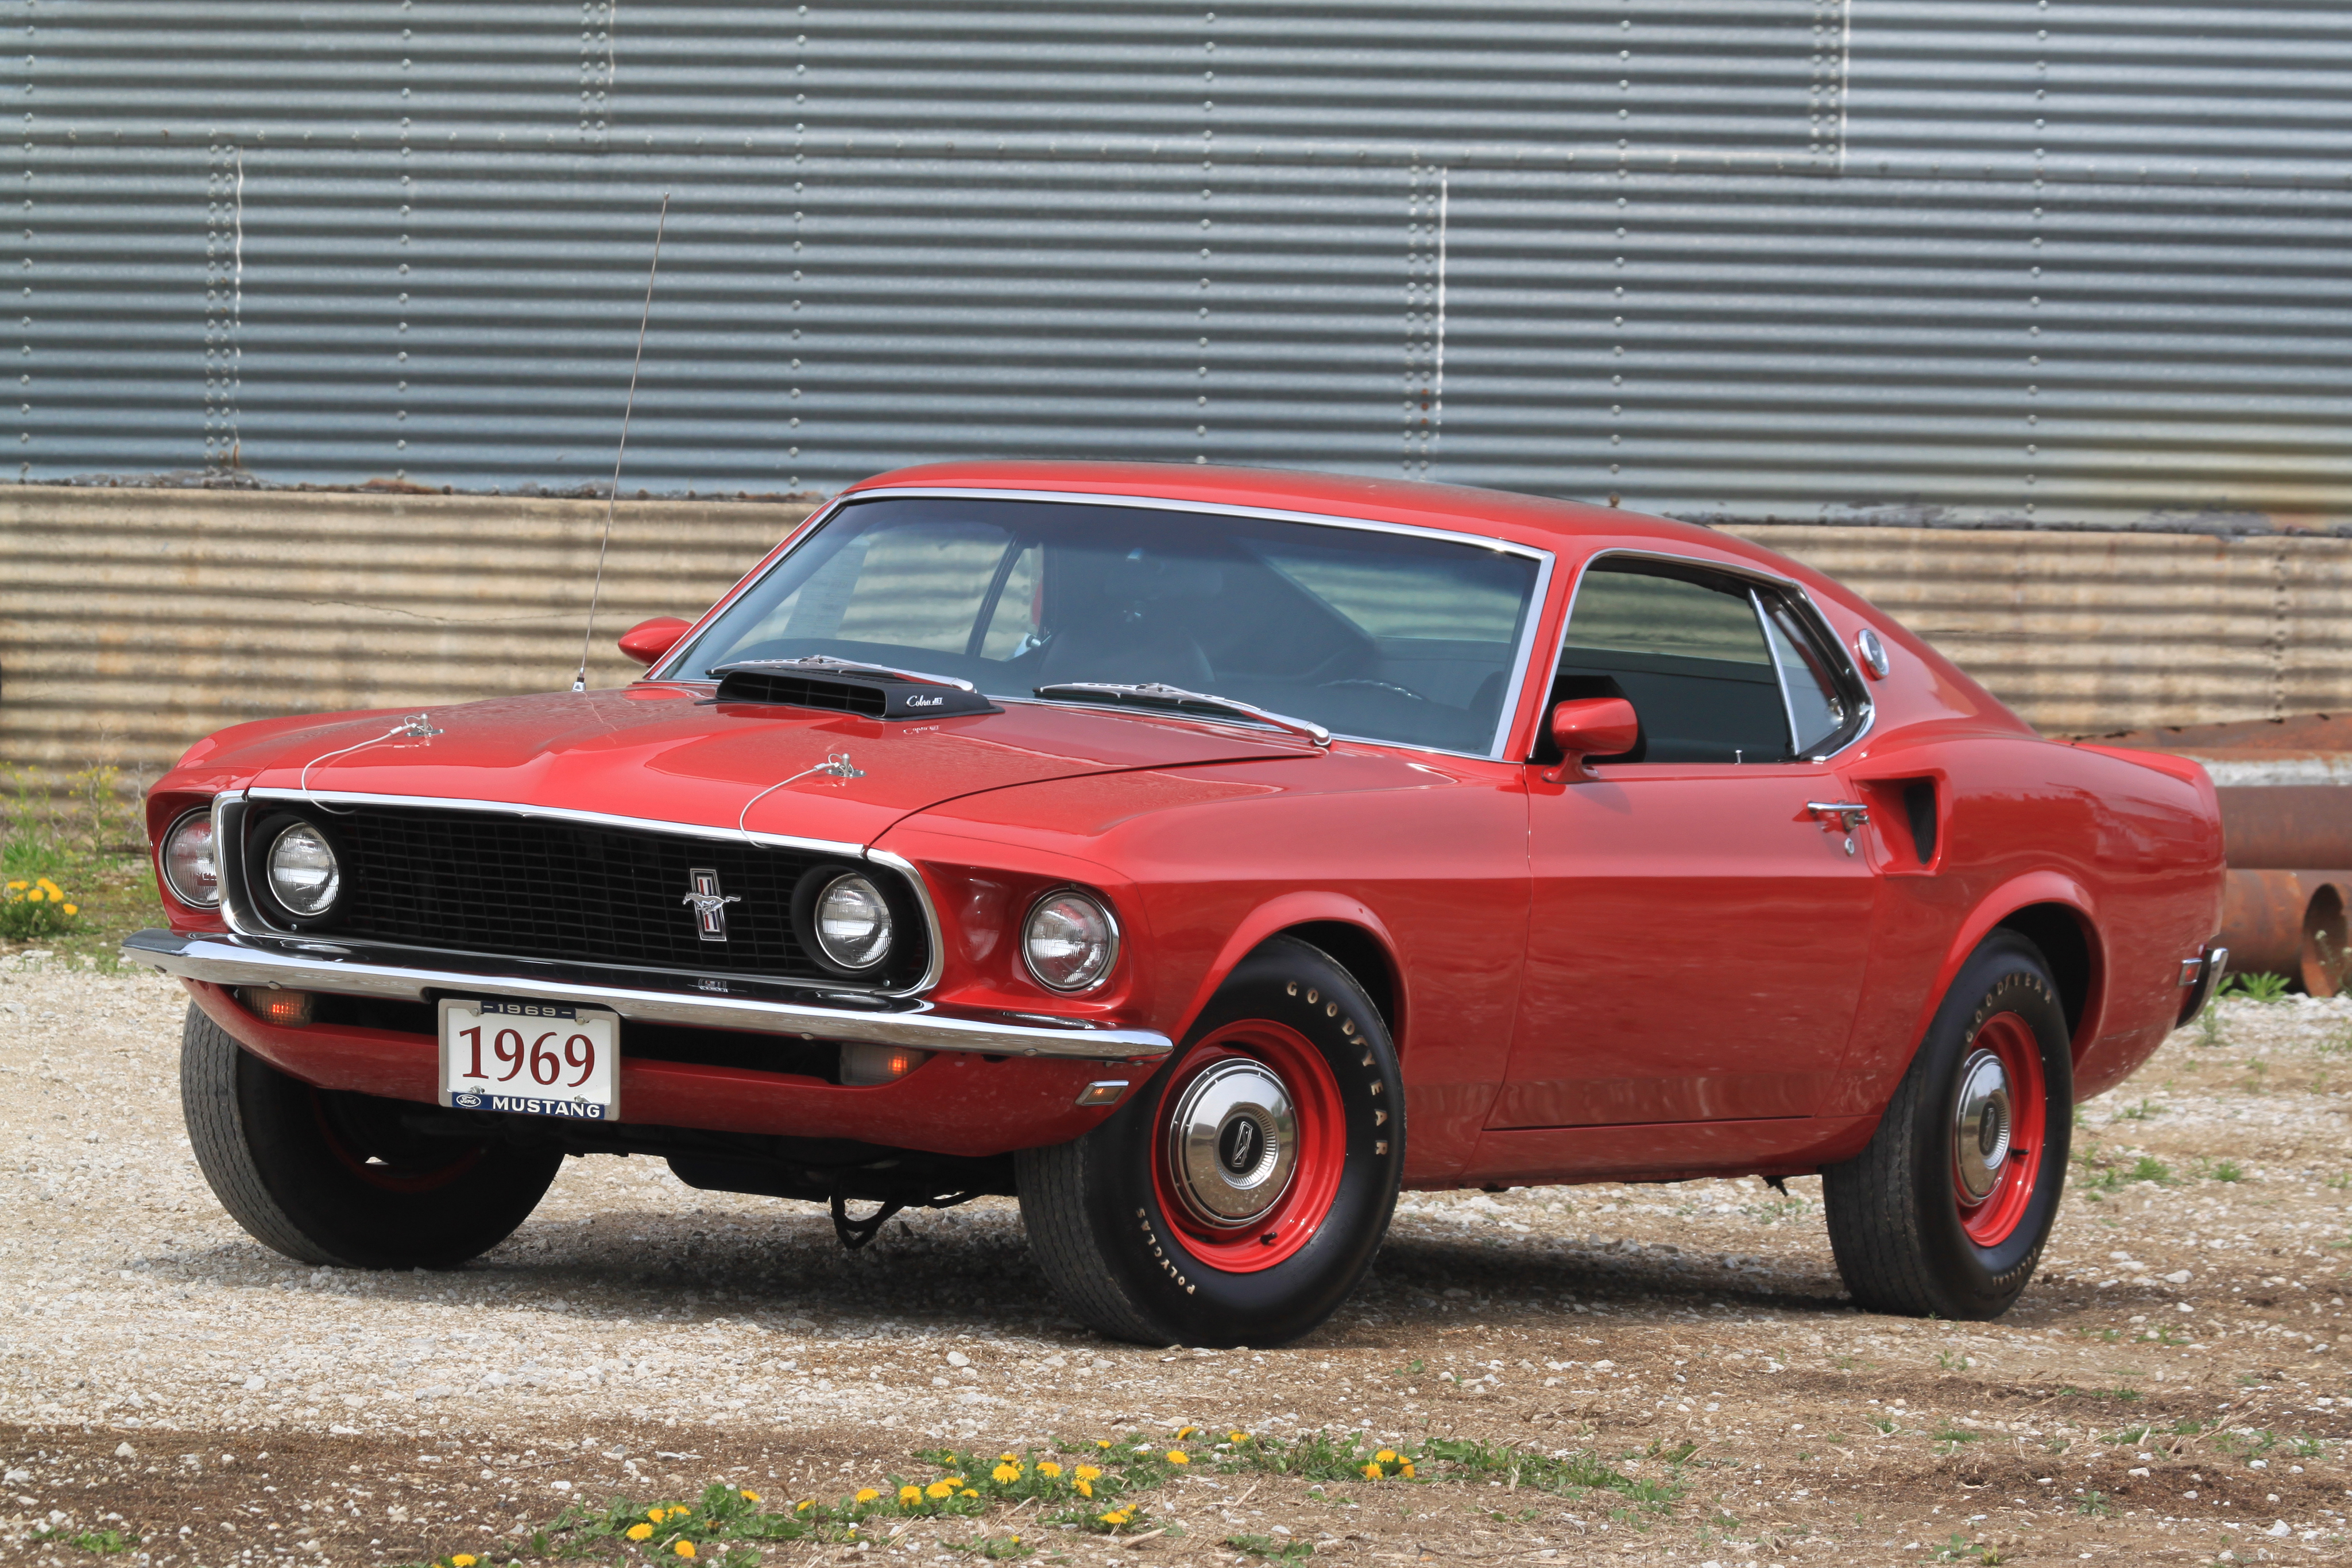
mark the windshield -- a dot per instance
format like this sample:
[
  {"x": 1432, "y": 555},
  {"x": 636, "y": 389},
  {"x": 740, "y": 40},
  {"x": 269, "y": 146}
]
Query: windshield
[{"x": 1378, "y": 635}]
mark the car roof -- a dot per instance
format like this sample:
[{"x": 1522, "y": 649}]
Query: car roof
[{"x": 1537, "y": 521}]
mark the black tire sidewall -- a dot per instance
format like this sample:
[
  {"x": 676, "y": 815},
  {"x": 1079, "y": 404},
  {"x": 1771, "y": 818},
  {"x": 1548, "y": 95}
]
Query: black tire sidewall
[
  {"x": 1191, "y": 1303},
  {"x": 2005, "y": 975},
  {"x": 289, "y": 1139}
]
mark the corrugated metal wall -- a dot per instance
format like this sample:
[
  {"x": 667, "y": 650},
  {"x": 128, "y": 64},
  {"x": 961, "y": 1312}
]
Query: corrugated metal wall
[
  {"x": 135, "y": 621},
  {"x": 1988, "y": 262}
]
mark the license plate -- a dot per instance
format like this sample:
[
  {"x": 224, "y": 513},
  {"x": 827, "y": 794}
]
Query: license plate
[{"x": 534, "y": 1058}]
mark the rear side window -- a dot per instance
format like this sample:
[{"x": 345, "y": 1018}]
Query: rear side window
[{"x": 1719, "y": 668}]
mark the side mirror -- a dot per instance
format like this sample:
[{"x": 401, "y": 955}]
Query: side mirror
[
  {"x": 1591, "y": 727},
  {"x": 647, "y": 640}
]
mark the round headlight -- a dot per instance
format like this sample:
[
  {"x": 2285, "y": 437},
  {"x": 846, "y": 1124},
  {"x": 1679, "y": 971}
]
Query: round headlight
[
  {"x": 302, "y": 871},
  {"x": 1069, "y": 941},
  {"x": 189, "y": 864},
  {"x": 853, "y": 923}
]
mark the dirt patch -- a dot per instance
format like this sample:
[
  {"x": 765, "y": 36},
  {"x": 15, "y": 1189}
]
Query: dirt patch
[{"x": 2170, "y": 1388}]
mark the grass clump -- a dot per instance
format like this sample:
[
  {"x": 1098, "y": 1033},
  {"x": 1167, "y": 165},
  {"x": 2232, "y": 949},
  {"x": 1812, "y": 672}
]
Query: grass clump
[{"x": 1273, "y": 1548}]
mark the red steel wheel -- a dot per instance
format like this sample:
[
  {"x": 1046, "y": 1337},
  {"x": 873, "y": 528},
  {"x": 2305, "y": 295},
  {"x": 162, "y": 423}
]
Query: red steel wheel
[
  {"x": 1947, "y": 1209},
  {"x": 1251, "y": 1148},
  {"x": 339, "y": 1178},
  {"x": 1998, "y": 1120},
  {"x": 1239, "y": 1195},
  {"x": 364, "y": 1135}
]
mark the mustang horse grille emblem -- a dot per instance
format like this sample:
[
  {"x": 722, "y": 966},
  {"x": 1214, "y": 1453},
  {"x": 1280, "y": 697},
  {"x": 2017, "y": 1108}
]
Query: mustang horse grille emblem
[{"x": 709, "y": 905}]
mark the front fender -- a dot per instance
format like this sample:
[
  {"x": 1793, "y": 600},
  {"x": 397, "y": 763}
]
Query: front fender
[{"x": 1280, "y": 915}]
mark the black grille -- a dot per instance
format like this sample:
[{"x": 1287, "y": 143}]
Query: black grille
[{"x": 481, "y": 882}]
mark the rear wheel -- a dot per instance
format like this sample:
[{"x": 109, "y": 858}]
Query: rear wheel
[
  {"x": 1946, "y": 1210},
  {"x": 326, "y": 1176},
  {"x": 1239, "y": 1195}
]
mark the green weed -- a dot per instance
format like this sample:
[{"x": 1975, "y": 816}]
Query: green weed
[
  {"x": 2265, "y": 988},
  {"x": 1273, "y": 1548}
]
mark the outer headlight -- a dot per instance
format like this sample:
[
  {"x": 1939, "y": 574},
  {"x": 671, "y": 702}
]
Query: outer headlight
[
  {"x": 303, "y": 875},
  {"x": 190, "y": 864},
  {"x": 851, "y": 922},
  {"x": 1069, "y": 941}
]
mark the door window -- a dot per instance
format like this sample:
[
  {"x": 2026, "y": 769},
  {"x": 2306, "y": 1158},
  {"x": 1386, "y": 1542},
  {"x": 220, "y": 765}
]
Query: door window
[{"x": 1719, "y": 668}]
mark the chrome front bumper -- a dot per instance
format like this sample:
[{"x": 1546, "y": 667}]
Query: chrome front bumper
[{"x": 395, "y": 974}]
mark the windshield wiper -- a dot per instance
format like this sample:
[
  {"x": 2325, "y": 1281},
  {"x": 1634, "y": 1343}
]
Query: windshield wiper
[
  {"x": 1176, "y": 699},
  {"x": 827, "y": 664}
]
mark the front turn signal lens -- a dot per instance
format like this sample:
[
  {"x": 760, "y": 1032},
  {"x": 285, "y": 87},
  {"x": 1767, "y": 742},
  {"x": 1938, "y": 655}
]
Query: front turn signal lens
[
  {"x": 191, "y": 867},
  {"x": 1069, "y": 940},
  {"x": 863, "y": 1066},
  {"x": 288, "y": 1009}
]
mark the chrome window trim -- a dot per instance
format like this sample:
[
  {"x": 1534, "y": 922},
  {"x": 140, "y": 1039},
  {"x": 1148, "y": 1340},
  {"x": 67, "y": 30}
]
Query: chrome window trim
[
  {"x": 1869, "y": 714},
  {"x": 245, "y": 923},
  {"x": 1546, "y": 560}
]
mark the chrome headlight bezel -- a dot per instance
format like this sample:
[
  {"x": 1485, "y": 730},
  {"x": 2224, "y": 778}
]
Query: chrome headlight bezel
[
  {"x": 196, "y": 816},
  {"x": 1107, "y": 944},
  {"x": 808, "y": 920},
  {"x": 259, "y": 891}
]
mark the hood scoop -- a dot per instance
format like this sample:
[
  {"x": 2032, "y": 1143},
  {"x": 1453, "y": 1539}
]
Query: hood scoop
[{"x": 839, "y": 685}]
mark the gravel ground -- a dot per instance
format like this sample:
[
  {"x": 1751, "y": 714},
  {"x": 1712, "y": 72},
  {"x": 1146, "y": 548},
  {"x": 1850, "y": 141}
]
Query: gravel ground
[{"x": 2170, "y": 1389}]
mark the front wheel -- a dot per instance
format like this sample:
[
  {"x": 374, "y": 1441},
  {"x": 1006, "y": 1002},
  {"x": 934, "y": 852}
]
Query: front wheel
[
  {"x": 328, "y": 1177},
  {"x": 1238, "y": 1197},
  {"x": 1946, "y": 1210}
]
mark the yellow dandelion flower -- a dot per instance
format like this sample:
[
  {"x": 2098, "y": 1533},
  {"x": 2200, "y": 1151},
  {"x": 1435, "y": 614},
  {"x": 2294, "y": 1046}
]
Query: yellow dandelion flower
[
  {"x": 1184, "y": 1432},
  {"x": 52, "y": 889},
  {"x": 18, "y": 886},
  {"x": 867, "y": 1494},
  {"x": 940, "y": 1490},
  {"x": 1371, "y": 1473},
  {"x": 1179, "y": 1457},
  {"x": 1405, "y": 1469},
  {"x": 952, "y": 1480},
  {"x": 72, "y": 909},
  {"x": 656, "y": 1514},
  {"x": 1086, "y": 1487},
  {"x": 679, "y": 1513},
  {"x": 967, "y": 1492},
  {"x": 748, "y": 1496},
  {"x": 462, "y": 1559},
  {"x": 910, "y": 1496},
  {"x": 1386, "y": 1456},
  {"x": 1102, "y": 1442},
  {"x": 1009, "y": 1459},
  {"x": 683, "y": 1547},
  {"x": 804, "y": 1507},
  {"x": 640, "y": 1530},
  {"x": 1003, "y": 1475},
  {"x": 1237, "y": 1437},
  {"x": 34, "y": 896},
  {"x": 1089, "y": 1473},
  {"x": 1049, "y": 1469}
]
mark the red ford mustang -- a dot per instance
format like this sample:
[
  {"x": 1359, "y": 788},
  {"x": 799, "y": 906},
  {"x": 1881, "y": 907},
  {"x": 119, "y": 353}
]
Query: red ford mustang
[{"x": 1200, "y": 855}]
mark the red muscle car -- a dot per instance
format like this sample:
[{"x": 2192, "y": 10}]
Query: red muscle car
[{"x": 1200, "y": 855}]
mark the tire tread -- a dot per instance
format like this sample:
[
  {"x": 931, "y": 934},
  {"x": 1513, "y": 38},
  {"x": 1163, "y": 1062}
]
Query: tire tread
[{"x": 216, "y": 1133}]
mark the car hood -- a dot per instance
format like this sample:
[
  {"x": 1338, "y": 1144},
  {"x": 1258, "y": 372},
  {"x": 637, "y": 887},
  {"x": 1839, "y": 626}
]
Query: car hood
[{"x": 669, "y": 754}]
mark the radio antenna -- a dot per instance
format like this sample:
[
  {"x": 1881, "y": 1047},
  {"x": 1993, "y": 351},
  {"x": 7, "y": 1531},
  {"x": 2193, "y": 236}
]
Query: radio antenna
[{"x": 613, "y": 496}]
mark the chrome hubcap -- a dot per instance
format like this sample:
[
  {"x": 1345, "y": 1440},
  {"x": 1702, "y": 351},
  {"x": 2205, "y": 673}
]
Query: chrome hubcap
[
  {"x": 1233, "y": 1144},
  {"x": 1981, "y": 1126}
]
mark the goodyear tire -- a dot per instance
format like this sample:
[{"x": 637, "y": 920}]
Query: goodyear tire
[
  {"x": 1946, "y": 1210},
  {"x": 335, "y": 1178},
  {"x": 1239, "y": 1195}
]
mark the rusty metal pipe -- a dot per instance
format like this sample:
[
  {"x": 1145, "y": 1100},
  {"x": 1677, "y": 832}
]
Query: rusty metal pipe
[
  {"x": 2287, "y": 826},
  {"x": 2288, "y": 922}
]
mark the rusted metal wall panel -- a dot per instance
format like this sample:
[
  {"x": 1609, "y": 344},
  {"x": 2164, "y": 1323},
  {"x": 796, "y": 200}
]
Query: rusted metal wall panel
[
  {"x": 134, "y": 623},
  {"x": 1917, "y": 262},
  {"x": 2085, "y": 633}
]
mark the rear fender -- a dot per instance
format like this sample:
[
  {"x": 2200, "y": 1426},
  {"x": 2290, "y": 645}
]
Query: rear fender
[{"x": 2040, "y": 887}]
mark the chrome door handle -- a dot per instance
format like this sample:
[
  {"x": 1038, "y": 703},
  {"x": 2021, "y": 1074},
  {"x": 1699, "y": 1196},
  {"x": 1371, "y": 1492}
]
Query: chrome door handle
[{"x": 1849, "y": 814}]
